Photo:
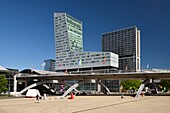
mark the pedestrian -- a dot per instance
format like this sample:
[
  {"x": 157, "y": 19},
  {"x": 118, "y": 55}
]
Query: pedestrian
[
  {"x": 122, "y": 96},
  {"x": 37, "y": 98}
]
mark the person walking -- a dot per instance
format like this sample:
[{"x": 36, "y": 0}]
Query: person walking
[
  {"x": 37, "y": 98},
  {"x": 122, "y": 96}
]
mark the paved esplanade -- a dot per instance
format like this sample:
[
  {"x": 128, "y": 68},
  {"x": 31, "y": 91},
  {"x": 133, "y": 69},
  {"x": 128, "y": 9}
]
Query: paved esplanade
[{"x": 88, "y": 104}]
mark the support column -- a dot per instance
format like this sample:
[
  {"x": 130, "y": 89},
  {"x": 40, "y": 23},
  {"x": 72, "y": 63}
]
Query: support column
[
  {"x": 156, "y": 90},
  {"x": 34, "y": 85},
  {"x": 15, "y": 84},
  {"x": 151, "y": 81},
  {"x": 26, "y": 83},
  {"x": 99, "y": 86},
  {"x": 69, "y": 90},
  {"x": 68, "y": 85},
  {"x": 141, "y": 87},
  {"x": 73, "y": 87}
]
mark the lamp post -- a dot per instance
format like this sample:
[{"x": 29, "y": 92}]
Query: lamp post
[{"x": 9, "y": 88}]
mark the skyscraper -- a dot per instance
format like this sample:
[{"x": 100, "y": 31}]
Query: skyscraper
[
  {"x": 70, "y": 57},
  {"x": 125, "y": 43},
  {"x": 69, "y": 47},
  {"x": 68, "y": 33}
]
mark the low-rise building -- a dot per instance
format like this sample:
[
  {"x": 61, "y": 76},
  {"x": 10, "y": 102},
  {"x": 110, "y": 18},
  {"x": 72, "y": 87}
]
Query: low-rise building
[{"x": 81, "y": 61}]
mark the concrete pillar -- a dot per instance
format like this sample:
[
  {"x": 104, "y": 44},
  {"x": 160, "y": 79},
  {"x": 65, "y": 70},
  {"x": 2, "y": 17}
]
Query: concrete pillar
[
  {"x": 15, "y": 84},
  {"x": 26, "y": 83},
  {"x": 99, "y": 86},
  {"x": 150, "y": 80}
]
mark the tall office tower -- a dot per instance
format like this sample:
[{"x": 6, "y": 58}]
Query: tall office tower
[
  {"x": 68, "y": 33},
  {"x": 125, "y": 43},
  {"x": 70, "y": 57},
  {"x": 68, "y": 36}
]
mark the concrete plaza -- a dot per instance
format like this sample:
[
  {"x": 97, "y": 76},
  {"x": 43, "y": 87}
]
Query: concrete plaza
[{"x": 88, "y": 104}]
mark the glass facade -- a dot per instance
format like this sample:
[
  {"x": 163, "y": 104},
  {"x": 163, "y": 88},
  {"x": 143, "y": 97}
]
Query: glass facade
[
  {"x": 75, "y": 34},
  {"x": 68, "y": 33}
]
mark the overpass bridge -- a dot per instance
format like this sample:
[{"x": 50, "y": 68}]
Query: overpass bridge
[{"x": 49, "y": 77}]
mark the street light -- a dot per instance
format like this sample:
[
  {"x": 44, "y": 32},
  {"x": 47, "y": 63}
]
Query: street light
[{"x": 9, "y": 89}]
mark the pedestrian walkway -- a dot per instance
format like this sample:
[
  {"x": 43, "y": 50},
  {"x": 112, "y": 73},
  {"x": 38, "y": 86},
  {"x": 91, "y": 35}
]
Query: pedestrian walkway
[{"x": 88, "y": 104}]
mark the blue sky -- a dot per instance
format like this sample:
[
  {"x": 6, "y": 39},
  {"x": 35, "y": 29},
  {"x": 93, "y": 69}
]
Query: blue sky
[{"x": 27, "y": 36}]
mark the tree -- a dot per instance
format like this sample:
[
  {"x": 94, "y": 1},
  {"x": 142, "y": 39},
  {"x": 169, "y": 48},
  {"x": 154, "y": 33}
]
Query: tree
[
  {"x": 3, "y": 84},
  {"x": 165, "y": 83},
  {"x": 131, "y": 84}
]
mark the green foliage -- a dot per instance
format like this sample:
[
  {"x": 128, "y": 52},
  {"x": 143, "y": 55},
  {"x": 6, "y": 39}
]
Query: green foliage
[
  {"x": 165, "y": 83},
  {"x": 130, "y": 84},
  {"x": 3, "y": 84}
]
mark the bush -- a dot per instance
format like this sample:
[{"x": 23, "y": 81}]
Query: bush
[
  {"x": 130, "y": 84},
  {"x": 3, "y": 84}
]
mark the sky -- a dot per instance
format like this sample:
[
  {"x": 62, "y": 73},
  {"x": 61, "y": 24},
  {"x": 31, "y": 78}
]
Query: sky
[{"x": 27, "y": 28}]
